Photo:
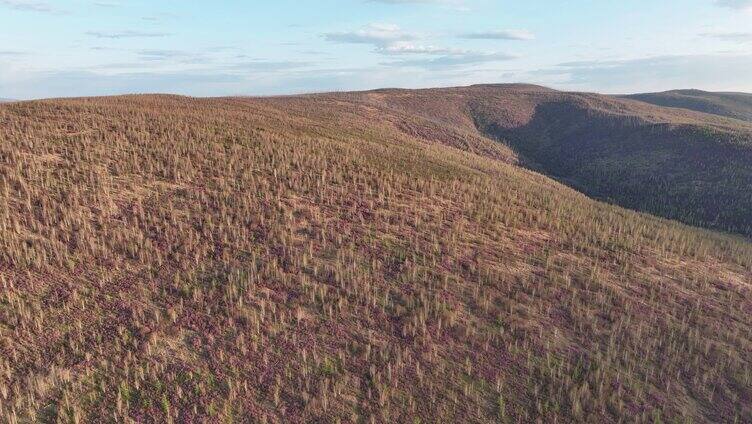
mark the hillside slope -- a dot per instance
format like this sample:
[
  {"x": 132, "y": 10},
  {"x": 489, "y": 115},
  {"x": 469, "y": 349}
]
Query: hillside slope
[
  {"x": 337, "y": 258},
  {"x": 731, "y": 105},
  {"x": 679, "y": 164}
]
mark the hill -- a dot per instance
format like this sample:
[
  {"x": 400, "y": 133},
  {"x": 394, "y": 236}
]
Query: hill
[
  {"x": 6, "y": 100},
  {"x": 352, "y": 257},
  {"x": 674, "y": 163},
  {"x": 731, "y": 105}
]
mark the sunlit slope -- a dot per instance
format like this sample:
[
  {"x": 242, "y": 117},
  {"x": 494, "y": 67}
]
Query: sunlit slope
[{"x": 302, "y": 259}]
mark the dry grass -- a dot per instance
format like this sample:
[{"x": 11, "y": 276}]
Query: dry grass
[{"x": 324, "y": 259}]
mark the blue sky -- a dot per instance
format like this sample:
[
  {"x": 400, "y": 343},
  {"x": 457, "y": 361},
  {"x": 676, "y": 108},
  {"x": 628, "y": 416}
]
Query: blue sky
[{"x": 211, "y": 48}]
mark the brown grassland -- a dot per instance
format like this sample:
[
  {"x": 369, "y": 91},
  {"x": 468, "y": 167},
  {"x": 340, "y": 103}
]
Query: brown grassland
[{"x": 342, "y": 258}]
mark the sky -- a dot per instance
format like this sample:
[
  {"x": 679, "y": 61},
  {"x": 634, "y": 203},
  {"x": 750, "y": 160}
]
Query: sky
[{"x": 259, "y": 47}]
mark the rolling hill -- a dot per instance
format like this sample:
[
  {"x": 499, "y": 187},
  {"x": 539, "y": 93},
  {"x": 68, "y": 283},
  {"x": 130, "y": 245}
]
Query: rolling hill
[
  {"x": 731, "y": 105},
  {"x": 674, "y": 163},
  {"x": 372, "y": 257}
]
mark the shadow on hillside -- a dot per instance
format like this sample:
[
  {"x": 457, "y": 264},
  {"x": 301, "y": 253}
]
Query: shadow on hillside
[{"x": 693, "y": 174}]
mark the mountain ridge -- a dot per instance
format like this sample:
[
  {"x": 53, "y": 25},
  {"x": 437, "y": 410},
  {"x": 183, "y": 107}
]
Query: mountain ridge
[
  {"x": 729, "y": 104},
  {"x": 621, "y": 150}
]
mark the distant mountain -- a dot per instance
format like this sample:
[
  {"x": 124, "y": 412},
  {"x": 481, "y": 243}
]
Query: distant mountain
[
  {"x": 6, "y": 100},
  {"x": 732, "y": 105}
]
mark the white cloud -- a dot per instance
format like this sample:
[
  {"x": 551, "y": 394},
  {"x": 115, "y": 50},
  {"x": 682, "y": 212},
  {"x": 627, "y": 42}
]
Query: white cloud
[
  {"x": 745, "y": 5},
  {"x": 126, "y": 34},
  {"x": 660, "y": 73},
  {"x": 729, "y": 36},
  {"x": 452, "y": 61},
  {"x": 379, "y": 35},
  {"x": 400, "y": 48},
  {"x": 392, "y": 40},
  {"x": 269, "y": 66},
  {"x": 155, "y": 54},
  {"x": 30, "y": 6},
  {"x": 174, "y": 56},
  {"x": 87, "y": 83},
  {"x": 502, "y": 34}
]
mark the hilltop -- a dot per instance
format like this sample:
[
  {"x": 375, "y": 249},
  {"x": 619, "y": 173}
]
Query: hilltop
[
  {"x": 382, "y": 256},
  {"x": 731, "y": 105}
]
